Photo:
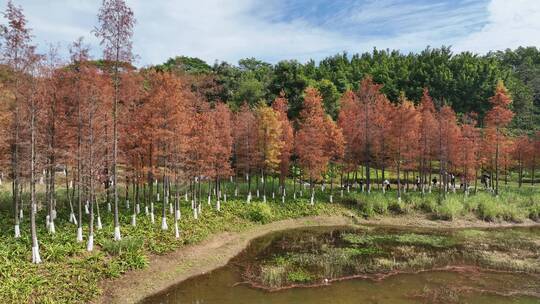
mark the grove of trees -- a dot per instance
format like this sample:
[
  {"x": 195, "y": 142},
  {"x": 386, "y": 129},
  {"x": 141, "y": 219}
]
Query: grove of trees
[{"x": 105, "y": 133}]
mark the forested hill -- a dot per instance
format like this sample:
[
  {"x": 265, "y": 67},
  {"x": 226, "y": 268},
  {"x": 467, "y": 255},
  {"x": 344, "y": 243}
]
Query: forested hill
[{"x": 464, "y": 80}]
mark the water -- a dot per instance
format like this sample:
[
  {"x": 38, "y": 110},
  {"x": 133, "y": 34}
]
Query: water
[{"x": 230, "y": 284}]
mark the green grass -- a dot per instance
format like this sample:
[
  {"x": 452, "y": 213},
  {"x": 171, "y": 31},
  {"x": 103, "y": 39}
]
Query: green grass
[{"x": 69, "y": 274}]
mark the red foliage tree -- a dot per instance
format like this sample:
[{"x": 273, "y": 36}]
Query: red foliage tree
[
  {"x": 287, "y": 138},
  {"x": 404, "y": 133},
  {"x": 309, "y": 141},
  {"x": 468, "y": 144},
  {"x": 428, "y": 124},
  {"x": 247, "y": 157},
  {"x": 496, "y": 120}
]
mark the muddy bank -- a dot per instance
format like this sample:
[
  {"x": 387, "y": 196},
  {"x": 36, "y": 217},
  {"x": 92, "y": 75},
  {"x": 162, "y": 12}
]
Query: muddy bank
[{"x": 173, "y": 268}]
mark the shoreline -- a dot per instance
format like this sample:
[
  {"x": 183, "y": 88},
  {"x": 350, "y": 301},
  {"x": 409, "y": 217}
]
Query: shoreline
[{"x": 175, "y": 267}]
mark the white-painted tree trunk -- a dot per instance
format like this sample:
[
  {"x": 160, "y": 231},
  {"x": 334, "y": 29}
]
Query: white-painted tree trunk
[
  {"x": 208, "y": 201},
  {"x": 195, "y": 215},
  {"x": 178, "y": 214},
  {"x": 164, "y": 223},
  {"x": 176, "y": 230},
  {"x": 52, "y": 228},
  {"x": 199, "y": 212},
  {"x": 341, "y": 192},
  {"x": 264, "y": 198},
  {"x": 86, "y": 210},
  {"x": 312, "y": 199},
  {"x": 117, "y": 235},
  {"x": 331, "y": 199},
  {"x": 152, "y": 217},
  {"x": 133, "y": 220},
  {"x": 79, "y": 235},
  {"x": 171, "y": 211},
  {"x": 21, "y": 214},
  {"x": 99, "y": 226},
  {"x": 146, "y": 210},
  {"x": 186, "y": 197},
  {"x": 225, "y": 198},
  {"x": 90, "y": 243},
  {"x": 109, "y": 207},
  {"x": 258, "y": 193},
  {"x": 138, "y": 208},
  {"x": 36, "y": 259},
  {"x": 218, "y": 205},
  {"x": 283, "y": 199},
  {"x": 17, "y": 231},
  {"x": 249, "y": 198},
  {"x": 72, "y": 218}
]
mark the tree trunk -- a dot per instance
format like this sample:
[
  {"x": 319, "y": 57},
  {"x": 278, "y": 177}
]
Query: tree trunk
[{"x": 33, "y": 207}]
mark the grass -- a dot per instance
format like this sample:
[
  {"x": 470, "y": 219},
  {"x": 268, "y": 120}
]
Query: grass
[
  {"x": 300, "y": 257},
  {"x": 70, "y": 274},
  {"x": 512, "y": 205}
]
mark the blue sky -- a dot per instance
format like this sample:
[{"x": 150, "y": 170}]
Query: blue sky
[{"x": 298, "y": 29}]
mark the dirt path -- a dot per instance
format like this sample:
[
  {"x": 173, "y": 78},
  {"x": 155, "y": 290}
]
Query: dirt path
[{"x": 170, "y": 269}]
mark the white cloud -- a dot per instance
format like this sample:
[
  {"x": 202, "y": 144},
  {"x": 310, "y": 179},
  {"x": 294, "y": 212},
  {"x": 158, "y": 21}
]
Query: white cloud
[
  {"x": 223, "y": 30},
  {"x": 510, "y": 24},
  {"x": 233, "y": 29}
]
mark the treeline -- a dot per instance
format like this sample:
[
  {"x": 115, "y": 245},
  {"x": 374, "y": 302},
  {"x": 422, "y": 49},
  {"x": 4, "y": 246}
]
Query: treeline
[
  {"x": 103, "y": 125},
  {"x": 464, "y": 81}
]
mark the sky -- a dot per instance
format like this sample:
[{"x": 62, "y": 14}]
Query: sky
[{"x": 273, "y": 30}]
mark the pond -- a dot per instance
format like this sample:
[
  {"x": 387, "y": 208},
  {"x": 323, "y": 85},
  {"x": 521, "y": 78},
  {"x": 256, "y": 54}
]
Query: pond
[{"x": 374, "y": 265}]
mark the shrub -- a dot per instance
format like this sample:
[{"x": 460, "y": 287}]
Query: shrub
[
  {"x": 450, "y": 208},
  {"x": 510, "y": 212},
  {"x": 272, "y": 275},
  {"x": 489, "y": 210},
  {"x": 260, "y": 213},
  {"x": 428, "y": 205},
  {"x": 534, "y": 211},
  {"x": 299, "y": 276}
]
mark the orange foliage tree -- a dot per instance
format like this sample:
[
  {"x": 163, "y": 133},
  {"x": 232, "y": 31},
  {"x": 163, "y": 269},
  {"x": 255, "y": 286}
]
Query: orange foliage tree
[
  {"x": 496, "y": 120},
  {"x": 404, "y": 135},
  {"x": 310, "y": 140},
  {"x": 287, "y": 139}
]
